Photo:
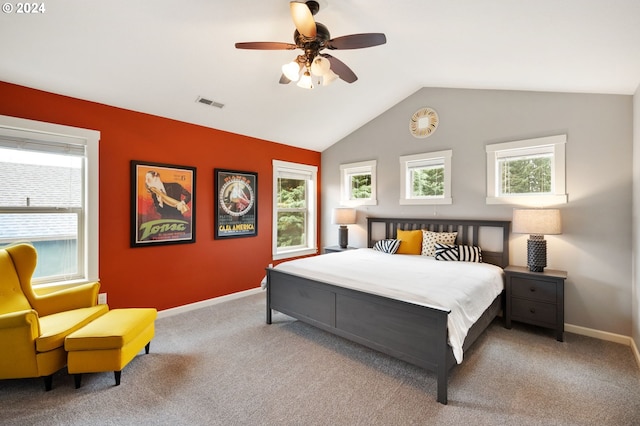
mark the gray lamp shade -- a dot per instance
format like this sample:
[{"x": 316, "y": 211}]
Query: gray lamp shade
[
  {"x": 343, "y": 216},
  {"x": 537, "y": 223}
]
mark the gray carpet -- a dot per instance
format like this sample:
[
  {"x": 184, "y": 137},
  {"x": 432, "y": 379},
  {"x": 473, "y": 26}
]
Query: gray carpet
[{"x": 222, "y": 365}]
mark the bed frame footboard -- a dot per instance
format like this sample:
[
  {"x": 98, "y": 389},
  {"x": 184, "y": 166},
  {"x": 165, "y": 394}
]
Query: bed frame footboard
[{"x": 413, "y": 333}]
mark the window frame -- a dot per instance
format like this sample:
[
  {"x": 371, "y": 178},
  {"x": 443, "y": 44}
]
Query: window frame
[
  {"x": 554, "y": 145},
  {"x": 311, "y": 172},
  {"x": 433, "y": 158},
  {"x": 88, "y": 236},
  {"x": 359, "y": 168}
]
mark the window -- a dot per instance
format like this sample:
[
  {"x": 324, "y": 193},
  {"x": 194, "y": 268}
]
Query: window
[
  {"x": 295, "y": 215},
  {"x": 358, "y": 184},
  {"x": 528, "y": 172},
  {"x": 426, "y": 178},
  {"x": 49, "y": 196}
]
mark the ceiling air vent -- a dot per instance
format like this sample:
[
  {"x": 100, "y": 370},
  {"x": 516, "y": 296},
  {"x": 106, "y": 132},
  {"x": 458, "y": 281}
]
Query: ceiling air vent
[{"x": 209, "y": 102}]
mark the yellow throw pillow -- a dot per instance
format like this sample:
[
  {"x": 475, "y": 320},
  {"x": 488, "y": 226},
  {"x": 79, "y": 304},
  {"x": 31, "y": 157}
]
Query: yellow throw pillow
[
  {"x": 429, "y": 240},
  {"x": 410, "y": 242}
]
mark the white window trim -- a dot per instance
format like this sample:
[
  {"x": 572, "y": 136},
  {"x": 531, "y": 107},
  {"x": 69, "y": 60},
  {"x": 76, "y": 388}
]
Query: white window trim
[
  {"x": 311, "y": 246},
  {"x": 347, "y": 170},
  {"x": 405, "y": 162},
  {"x": 19, "y": 127},
  {"x": 555, "y": 145}
]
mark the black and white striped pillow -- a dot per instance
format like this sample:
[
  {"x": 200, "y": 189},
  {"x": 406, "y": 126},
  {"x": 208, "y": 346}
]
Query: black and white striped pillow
[
  {"x": 447, "y": 252},
  {"x": 456, "y": 253},
  {"x": 387, "y": 246},
  {"x": 470, "y": 254}
]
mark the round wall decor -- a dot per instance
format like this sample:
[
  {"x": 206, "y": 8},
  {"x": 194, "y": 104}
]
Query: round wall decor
[{"x": 423, "y": 122}]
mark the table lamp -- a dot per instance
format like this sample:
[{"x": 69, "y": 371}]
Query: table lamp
[
  {"x": 537, "y": 223},
  {"x": 343, "y": 216}
]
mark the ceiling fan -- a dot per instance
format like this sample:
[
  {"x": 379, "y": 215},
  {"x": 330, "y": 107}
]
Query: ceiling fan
[{"x": 312, "y": 38}]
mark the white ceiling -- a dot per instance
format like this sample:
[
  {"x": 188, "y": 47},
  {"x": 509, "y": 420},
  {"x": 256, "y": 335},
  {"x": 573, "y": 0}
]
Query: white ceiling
[{"x": 158, "y": 56}]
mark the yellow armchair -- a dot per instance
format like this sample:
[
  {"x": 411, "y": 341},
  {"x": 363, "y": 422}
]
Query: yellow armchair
[{"x": 33, "y": 326}]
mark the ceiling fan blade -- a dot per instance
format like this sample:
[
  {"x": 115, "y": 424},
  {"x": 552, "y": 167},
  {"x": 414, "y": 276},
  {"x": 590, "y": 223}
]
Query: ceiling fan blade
[
  {"x": 357, "y": 41},
  {"x": 340, "y": 68},
  {"x": 303, "y": 19},
  {"x": 265, "y": 45}
]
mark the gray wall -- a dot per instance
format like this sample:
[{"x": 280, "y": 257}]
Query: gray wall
[
  {"x": 595, "y": 247},
  {"x": 636, "y": 219}
]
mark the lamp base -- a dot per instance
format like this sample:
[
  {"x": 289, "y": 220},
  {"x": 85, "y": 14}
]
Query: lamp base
[
  {"x": 343, "y": 236},
  {"x": 536, "y": 253}
]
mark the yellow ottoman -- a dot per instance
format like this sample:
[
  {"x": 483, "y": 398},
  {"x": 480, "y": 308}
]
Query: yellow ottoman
[{"x": 109, "y": 342}]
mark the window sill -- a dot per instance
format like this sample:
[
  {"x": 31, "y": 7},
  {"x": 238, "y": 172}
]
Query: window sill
[
  {"x": 426, "y": 201},
  {"x": 295, "y": 253},
  {"x": 50, "y": 287},
  {"x": 360, "y": 202}
]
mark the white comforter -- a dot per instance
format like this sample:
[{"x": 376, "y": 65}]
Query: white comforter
[{"x": 466, "y": 289}]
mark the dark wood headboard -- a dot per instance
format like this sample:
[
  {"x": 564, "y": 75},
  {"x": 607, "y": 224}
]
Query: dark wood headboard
[{"x": 468, "y": 232}]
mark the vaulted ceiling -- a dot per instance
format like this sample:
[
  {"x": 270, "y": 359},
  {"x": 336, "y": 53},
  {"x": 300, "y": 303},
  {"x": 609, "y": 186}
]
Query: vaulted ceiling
[{"x": 159, "y": 56}]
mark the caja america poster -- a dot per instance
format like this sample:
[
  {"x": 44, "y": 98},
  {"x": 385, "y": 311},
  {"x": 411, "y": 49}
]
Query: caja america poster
[{"x": 237, "y": 204}]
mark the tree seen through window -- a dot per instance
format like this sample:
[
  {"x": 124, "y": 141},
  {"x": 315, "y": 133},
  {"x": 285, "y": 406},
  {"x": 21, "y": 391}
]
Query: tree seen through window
[
  {"x": 428, "y": 181},
  {"x": 291, "y": 212},
  {"x": 361, "y": 186},
  {"x": 531, "y": 175}
]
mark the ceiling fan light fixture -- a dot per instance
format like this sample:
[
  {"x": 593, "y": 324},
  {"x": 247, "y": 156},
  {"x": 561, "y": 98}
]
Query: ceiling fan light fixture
[
  {"x": 305, "y": 81},
  {"x": 291, "y": 71},
  {"x": 320, "y": 66},
  {"x": 329, "y": 78}
]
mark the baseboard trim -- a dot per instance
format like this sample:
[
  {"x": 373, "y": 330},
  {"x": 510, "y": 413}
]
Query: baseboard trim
[
  {"x": 598, "y": 334},
  {"x": 603, "y": 335},
  {"x": 209, "y": 302}
]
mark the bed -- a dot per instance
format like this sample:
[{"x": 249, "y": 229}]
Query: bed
[{"x": 398, "y": 326}]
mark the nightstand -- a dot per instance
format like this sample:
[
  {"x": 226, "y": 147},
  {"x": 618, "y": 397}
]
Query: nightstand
[
  {"x": 334, "y": 249},
  {"x": 535, "y": 298}
]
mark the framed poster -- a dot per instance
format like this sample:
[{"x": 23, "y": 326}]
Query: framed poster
[
  {"x": 237, "y": 204},
  {"x": 163, "y": 204}
]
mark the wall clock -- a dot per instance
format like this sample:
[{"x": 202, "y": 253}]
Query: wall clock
[{"x": 423, "y": 122}]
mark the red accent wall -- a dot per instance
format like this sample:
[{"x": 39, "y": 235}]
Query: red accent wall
[{"x": 171, "y": 275}]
